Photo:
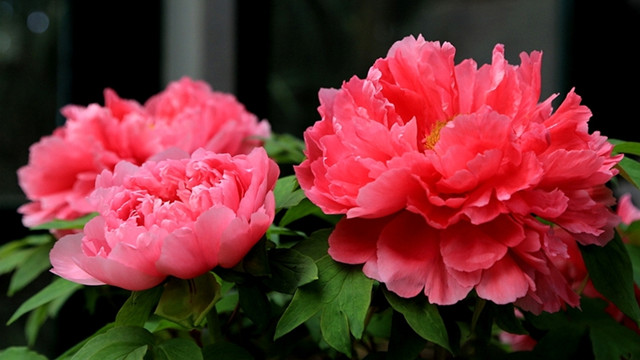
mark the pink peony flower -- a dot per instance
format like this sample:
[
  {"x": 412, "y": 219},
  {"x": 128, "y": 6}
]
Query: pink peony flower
[
  {"x": 63, "y": 166},
  {"x": 443, "y": 172},
  {"x": 179, "y": 216},
  {"x": 626, "y": 210}
]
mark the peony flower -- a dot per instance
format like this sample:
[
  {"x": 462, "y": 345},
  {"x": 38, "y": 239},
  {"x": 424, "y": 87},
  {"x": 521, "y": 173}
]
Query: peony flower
[
  {"x": 177, "y": 216},
  {"x": 443, "y": 172},
  {"x": 63, "y": 166}
]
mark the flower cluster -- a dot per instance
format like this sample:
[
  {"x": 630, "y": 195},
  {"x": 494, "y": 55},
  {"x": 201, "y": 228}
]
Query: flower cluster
[
  {"x": 188, "y": 115},
  {"x": 432, "y": 203},
  {"x": 444, "y": 172}
]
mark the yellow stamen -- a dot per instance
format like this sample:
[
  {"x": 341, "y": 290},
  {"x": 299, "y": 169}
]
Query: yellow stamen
[{"x": 434, "y": 135}]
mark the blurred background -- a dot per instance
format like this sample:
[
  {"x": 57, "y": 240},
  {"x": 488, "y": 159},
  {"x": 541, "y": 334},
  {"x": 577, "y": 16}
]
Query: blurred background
[{"x": 275, "y": 55}]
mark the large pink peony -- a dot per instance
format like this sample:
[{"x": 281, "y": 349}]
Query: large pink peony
[
  {"x": 180, "y": 216},
  {"x": 444, "y": 171},
  {"x": 63, "y": 166}
]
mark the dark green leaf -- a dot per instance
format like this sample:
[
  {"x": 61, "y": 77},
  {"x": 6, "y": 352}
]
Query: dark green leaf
[
  {"x": 404, "y": 343},
  {"x": 255, "y": 304},
  {"x": 602, "y": 262},
  {"x": 422, "y": 316},
  {"x": 634, "y": 256},
  {"x": 122, "y": 342},
  {"x": 58, "y": 288},
  {"x": 187, "y": 302},
  {"x": 16, "y": 252},
  {"x": 73, "y": 350},
  {"x": 316, "y": 246},
  {"x": 223, "y": 350},
  {"x": 342, "y": 293},
  {"x": 289, "y": 270},
  {"x": 138, "y": 307},
  {"x": 505, "y": 318},
  {"x": 20, "y": 353},
  {"x": 177, "y": 349}
]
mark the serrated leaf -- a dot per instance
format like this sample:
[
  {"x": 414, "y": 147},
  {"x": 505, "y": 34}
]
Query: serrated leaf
[
  {"x": 122, "y": 342},
  {"x": 177, "y": 349},
  {"x": 187, "y": 302},
  {"x": 20, "y": 353},
  {"x": 601, "y": 262},
  {"x": 138, "y": 307},
  {"x": 287, "y": 192},
  {"x": 58, "y": 288},
  {"x": 290, "y": 269},
  {"x": 34, "y": 265},
  {"x": 422, "y": 316}
]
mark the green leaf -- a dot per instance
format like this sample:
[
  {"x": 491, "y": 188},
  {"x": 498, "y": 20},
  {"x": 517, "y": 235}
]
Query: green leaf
[
  {"x": 285, "y": 148},
  {"x": 422, "y": 316},
  {"x": 138, "y": 307},
  {"x": 34, "y": 265},
  {"x": 628, "y": 147},
  {"x": 187, "y": 302},
  {"x": 630, "y": 170},
  {"x": 58, "y": 288},
  {"x": 287, "y": 192},
  {"x": 225, "y": 350},
  {"x": 255, "y": 304},
  {"x": 177, "y": 349},
  {"x": 505, "y": 318},
  {"x": 20, "y": 353},
  {"x": 305, "y": 208},
  {"x": 290, "y": 269},
  {"x": 69, "y": 353},
  {"x": 122, "y": 342},
  {"x": 634, "y": 255},
  {"x": 342, "y": 293},
  {"x": 65, "y": 224},
  {"x": 404, "y": 343},
  {"x": 16, "y": 252},
  {"x": 602, "y": 262}
]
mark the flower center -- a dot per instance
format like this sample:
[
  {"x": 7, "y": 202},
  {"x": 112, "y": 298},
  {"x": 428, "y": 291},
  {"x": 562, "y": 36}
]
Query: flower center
[{"x": 434, "y": 134}]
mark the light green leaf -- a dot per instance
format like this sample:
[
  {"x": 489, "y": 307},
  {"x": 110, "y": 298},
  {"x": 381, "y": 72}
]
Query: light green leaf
[
  {"x": 58, "y": 288},
  {"x": 122, "y": 342},
  {"x": 630, "y": 170},
  {"x": 20, "y": 353},
  {"x": 287, "y": 192},
  {"x": 16, "y": 252},
  {"x": 602, "y": 262},
  {"x": 66, "y": 224},
  {"x": 187, "y": 302},
  {"x": 138, "y": 307},
  {"x": 177, "y": 349},
  {"x": 422, "y": 316},
  {"x": 285, "y": 148},
  {"x": 627, "y": 147}
]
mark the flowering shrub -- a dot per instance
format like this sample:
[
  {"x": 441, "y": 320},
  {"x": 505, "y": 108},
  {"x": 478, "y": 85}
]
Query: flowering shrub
[{"x": 436, "y": 210}]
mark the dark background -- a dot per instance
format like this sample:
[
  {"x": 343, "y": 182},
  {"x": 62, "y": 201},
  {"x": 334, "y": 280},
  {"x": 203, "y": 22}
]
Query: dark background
[{"x": 284, "y": 52}]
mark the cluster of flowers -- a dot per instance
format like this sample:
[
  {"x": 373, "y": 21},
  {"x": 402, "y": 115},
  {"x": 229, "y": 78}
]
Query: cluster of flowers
[{"x": 451, "y": 178}]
